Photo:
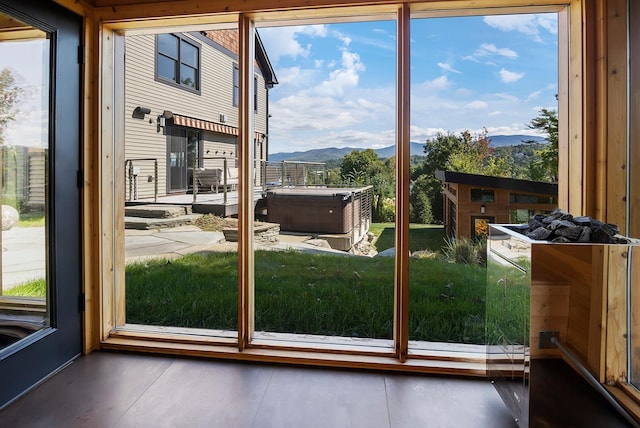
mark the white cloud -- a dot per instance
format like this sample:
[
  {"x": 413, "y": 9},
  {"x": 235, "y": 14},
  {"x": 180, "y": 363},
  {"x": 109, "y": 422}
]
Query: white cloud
[
  {"x": 295, "y": 78},
  {"x": 526, "y": 24},
  {"x": 437, "y": 84},
  {"x": 283, "y": 41},
  {"x": 493, "y": 49},
  {"x": 477, "y": 105},
  {"x": 344, "y": 78},
  {"x": 488, "y": 50},
  {"x": 447, "y": 67},
  {"x": 507, "y": 97},
  {"x": 534, "y": 95},
  {"x": 419, "y": 134},
  {"x": 510, "y": 76}
]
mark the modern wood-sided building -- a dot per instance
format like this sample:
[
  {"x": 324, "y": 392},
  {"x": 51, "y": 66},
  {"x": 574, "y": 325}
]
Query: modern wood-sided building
[
  {"x": 181, "y": 93},
  {"x": 599, "y": 158},
  {"x": 472, "y": 201}
]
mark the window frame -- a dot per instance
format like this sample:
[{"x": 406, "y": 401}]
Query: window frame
[
  {"x": 236, "y": 85},
  {"x": 177, "y": 83},
  {"x": 115, "y": 338},
  {"x": 481, "y": 194},
  {"x": 255, "y": 93}
]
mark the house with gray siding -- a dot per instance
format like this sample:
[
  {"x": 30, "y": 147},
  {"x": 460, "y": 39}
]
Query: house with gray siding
[{"x": 181, "y": 93}]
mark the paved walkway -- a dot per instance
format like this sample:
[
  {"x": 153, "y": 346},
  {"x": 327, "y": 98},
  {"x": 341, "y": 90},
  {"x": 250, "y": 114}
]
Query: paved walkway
[
  {"x": 23, "y": 255},
  {"x": 23, "y": 248}
]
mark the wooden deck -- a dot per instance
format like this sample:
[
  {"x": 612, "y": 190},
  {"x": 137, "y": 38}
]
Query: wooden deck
[{"x": 225, "y": 205}]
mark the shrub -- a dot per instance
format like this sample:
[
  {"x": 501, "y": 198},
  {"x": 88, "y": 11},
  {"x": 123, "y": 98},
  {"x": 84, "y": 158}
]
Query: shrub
[{"x": 467, "y": 251}]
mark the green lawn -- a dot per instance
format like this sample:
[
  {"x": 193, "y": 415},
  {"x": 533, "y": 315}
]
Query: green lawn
[
  {"x": 421, "y": 236},
  {"x": 31, "y": 220},
  {"x": 305, "y": 293},
  {"x": 310, "y": 294},
  {"x": 33, "y": 288}
]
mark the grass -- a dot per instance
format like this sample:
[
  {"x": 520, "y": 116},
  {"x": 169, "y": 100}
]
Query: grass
[
  {"x": 31, "y": 220},
  {"x": 319, "y": 294},
  {"x": 310, "y": 294},
  {"x": 32, "y": 288},
  {"x": 421, "y": 236}
]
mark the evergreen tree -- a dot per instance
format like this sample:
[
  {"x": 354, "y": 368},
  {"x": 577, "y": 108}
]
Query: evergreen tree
[{"x": 545, "y": 168}]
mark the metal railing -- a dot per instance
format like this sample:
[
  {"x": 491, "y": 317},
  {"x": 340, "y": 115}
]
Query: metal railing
[
  {"x": 292, "y": 174},
  {"x": 266, "y": 174},
  {"x": 132, "y": 173}
]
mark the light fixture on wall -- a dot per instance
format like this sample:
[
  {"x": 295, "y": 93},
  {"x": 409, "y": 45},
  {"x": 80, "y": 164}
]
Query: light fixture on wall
[
  {"x": 483, "y": 209},
  {"x": 162, "y": 119},
  {"x": 140, "y": 112}
]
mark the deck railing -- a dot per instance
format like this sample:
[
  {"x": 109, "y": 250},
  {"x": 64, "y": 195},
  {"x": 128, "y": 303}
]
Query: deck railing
[
  {"x": 266, "y": 175},
  {"x": 292, "y": 174},
  {"x": 132, "y": 172}
]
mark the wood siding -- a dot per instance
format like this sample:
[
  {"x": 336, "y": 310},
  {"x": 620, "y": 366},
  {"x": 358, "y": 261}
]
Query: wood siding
[
  {"x": 145, "y": 140},
  {"x": 499, "y": 209}
]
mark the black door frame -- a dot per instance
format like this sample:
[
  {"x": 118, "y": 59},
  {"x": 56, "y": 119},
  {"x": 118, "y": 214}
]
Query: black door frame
[{"x": 36, "y": 357}]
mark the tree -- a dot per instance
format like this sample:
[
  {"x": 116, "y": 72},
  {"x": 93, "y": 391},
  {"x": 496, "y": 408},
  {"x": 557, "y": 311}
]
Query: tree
[
  {"x": 363, "y": 167},
  {"x": 447, "y": 151},
  {"x": 420, "y": 206},
  {"x": 472, "y": 155},
  {"x": 9, "y": 94},
  {"x": 358, "y": 165},
  {"x": 546, "y": 166}
]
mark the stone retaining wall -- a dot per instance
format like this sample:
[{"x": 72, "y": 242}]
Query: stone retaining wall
[{"x": 263, "y": 233}]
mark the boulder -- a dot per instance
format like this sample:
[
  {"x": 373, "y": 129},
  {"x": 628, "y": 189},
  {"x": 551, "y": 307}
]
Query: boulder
[{"x": 10, "y": 217}]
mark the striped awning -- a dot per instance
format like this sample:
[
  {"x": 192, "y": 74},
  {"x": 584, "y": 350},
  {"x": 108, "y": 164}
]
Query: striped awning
[{"x": 192, "y": 122}]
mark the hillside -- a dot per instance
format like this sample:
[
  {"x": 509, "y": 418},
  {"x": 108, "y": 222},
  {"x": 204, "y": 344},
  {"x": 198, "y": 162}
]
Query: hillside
[{"x": 417, "y": 149}]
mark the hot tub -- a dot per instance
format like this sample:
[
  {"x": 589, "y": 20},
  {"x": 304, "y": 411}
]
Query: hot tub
[{"x": 320, "y": 210}]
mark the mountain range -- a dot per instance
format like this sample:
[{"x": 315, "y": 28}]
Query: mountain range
[{"x": 417, "y": 149}]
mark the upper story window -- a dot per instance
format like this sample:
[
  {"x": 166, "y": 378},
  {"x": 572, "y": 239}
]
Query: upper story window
[
  {"x": 178, "y": 61},
  {"x": 236, "y": 88},
  {"x": 255, "y": 93},
  {"x": 236, "y": 85}
]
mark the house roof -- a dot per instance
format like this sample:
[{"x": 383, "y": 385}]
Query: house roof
[
  {"x": 498, "y": 182},
  {"x": 228, "y": 39}
]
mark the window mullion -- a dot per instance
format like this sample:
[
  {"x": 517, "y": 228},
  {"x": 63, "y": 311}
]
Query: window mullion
[
  {"x": 401, "y": 301},
  {"x": 246, "y": 32}
]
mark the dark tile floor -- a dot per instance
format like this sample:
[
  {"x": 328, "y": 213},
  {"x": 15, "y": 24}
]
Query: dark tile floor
[{"x": 129, "y": 390}]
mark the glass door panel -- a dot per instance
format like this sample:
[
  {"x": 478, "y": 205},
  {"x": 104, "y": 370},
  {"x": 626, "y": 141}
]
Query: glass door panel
[
  {"x": 177, "y": 161},
  {"x": 327, "y": 176},
  {"x": 24, "y": 149},
  {"x": 40, "y": 263}
]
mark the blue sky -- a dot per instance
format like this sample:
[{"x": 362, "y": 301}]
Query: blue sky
[{"x": 337, "y": 81}]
